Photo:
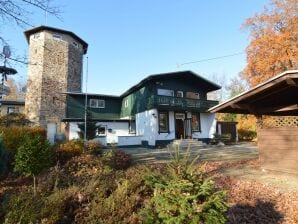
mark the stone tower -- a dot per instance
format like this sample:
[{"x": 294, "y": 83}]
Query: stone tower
[{"x": 55, "y": 67}]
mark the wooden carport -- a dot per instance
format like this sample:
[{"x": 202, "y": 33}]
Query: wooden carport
[{"x": 278, "y": 132}]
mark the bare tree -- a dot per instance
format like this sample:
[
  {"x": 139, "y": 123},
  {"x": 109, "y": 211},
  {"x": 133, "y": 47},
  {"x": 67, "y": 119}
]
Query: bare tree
[
  {"x": 19, "y": 11},
  {"x": 220, "y": 94}
]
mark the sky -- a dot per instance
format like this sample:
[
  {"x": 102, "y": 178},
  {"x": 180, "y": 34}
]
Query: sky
[{"x": 129, "y": 40}]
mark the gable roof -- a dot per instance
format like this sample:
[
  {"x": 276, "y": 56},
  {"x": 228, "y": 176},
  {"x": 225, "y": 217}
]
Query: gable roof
[
  {"x": 210, "y": 86},
  {"x": 277, "y": 96},
  {"x": 29, "y": 32}
]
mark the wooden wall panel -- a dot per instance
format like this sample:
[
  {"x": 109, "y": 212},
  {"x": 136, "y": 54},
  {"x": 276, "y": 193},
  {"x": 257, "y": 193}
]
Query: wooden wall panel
[{"x": 278, "y": 148}]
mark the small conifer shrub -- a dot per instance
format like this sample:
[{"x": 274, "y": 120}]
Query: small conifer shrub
[{"x": 183, "y": 195}]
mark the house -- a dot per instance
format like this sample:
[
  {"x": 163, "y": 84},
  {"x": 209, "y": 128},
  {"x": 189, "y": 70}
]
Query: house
[
  {"x": 155, "y": 111},
  {"x": 275, "y": 104},
  {"x": 12, "y": 106}
]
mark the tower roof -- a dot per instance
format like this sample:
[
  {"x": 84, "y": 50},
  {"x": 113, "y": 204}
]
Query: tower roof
[{"x": 29, "y": 32}]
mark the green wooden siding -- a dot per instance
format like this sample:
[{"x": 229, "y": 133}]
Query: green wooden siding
[
  {"x": 75, "y": 107},
  {"x": 181, "y": 85},
  {"x": 141, "y": 100},
  {"x": 137, "y": 102}
]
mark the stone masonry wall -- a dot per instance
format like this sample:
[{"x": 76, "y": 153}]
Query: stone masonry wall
[{"x": 59, "y": 71}]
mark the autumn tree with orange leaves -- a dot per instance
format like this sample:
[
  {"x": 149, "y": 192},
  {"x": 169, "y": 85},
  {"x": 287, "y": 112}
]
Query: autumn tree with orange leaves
[{"x": 274, "y": 41}]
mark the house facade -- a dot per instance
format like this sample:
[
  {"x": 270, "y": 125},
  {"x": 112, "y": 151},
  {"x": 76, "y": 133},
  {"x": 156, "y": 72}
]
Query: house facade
[
  {"x": 9, "y": 106},
  {"x": 156, "y": 111}
]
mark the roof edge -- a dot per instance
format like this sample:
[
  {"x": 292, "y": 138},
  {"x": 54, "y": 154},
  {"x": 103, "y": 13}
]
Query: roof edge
[
  {"x": 29, "y": 32},
  {"x": 254, "y": 88}
]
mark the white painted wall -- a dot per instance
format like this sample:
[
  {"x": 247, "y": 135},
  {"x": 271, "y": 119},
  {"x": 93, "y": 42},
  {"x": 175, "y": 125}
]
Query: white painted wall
[
  {"x": 102, "y": 140},
  {"x": 118, "y": 129},
  {"x": 147, "y": 125},
  {"x": 129, "y": 140},
  {"x": 146, "y": 129},
  {"x": 208, "y": 126}
]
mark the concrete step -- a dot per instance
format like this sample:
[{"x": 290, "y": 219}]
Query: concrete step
[{"x": 185, "y": 143}]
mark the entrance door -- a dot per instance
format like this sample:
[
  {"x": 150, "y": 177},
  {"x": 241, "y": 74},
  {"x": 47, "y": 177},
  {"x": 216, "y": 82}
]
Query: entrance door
[{"x": 179, "y": 128}]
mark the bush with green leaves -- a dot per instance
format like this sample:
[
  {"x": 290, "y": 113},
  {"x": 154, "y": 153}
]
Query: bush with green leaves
[
  {"x": 69, "y": 149},
  {"x": 3, "y": 158},
  {"x": 13, "y": 138},
  {"x": 183, "y": 195},
  {"x": 35, "y": 155}
]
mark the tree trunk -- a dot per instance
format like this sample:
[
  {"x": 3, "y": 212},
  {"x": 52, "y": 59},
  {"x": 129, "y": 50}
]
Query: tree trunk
[{"x": 34, "y": 185}]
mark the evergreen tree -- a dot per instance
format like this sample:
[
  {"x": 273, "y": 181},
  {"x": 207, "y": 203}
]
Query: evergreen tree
[
  {"x": 183, "y": 195},
  {"x": 91, "y": 128},
  {"x": 34, "y": 155}
]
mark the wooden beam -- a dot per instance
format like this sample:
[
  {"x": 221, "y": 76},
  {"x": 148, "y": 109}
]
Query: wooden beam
[{"x": 292, "y": 82}]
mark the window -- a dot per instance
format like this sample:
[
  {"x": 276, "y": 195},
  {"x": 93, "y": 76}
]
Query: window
[
  {"x": 11, "y": 110},
  {"x": 57, "y": 36},
  {"x": 75, "y": 44},
  {"x": 97, "y": 103},
  {"x": 163, "y": 122},
  {"x": 195, "y": 122},
  {"x": 126, "y": 103},
  {"x": 36, "y": 36},
  {"x": 180, "y": 94},
  {"x": 192, "y": 95},
  {"x": 132, "y": 126},
  {"x": 165, "y": 92},
  {"x": 101, "y": 131}
]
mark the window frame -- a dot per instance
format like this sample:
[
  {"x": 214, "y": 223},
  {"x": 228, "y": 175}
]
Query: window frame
[
  {"x": 102, "y": 135},
  {"x": 11, "y": 108},
  {"x": 198, "y": 115},
  {"x": 126, "y": 103},
  {"x": 170, "y": 90},
  {"x": 57, "y": 36},
  {"x": 167, "y": 120},
  {"x": 97, "y": 103},
  {"x": 180, "y": 92}
]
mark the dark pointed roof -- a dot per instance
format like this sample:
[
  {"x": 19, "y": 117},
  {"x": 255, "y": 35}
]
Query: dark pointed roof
[
  {"x": 29, "y": 32},
  {"x": 186, "y": 75}
]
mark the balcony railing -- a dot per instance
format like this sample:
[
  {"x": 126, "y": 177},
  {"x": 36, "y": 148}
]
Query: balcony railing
[{"x": 177, "y": 102}]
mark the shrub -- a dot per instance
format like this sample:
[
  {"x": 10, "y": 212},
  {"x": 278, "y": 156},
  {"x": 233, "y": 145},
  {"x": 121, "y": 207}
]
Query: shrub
[
  {"x": 3, "y": 158},
  {"x": 117, "y": 159},
  {"x": 70, "y": 149},
  {"x": 13, "y": 137},
  {"x": 14, "y": 119},
  {"x": 57, "y": 207},
  {"x": 22, "y": 208},
  {"x": 183, "y": 195},
  {"x": 33, "y": 156},
  {"x": 247, "y": 135},
  {"x": 94, "y": 147},
  {"x": 117, "y": 198}
]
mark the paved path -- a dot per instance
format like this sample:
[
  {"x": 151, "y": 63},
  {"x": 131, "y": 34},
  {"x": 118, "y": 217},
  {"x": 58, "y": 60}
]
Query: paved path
[{"x": 229, "y": 152}]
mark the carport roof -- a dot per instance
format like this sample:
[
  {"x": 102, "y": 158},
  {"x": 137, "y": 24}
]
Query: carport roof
[{"x": 277, "y": 96}]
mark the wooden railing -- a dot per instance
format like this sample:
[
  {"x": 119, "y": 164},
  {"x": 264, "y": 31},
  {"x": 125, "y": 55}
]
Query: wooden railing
[{"x": 177, "y": 102}]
